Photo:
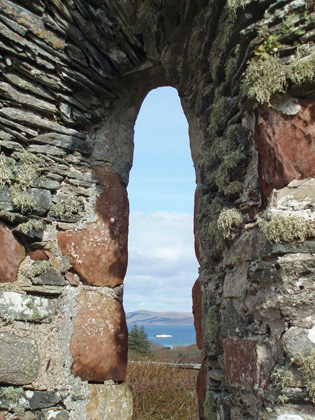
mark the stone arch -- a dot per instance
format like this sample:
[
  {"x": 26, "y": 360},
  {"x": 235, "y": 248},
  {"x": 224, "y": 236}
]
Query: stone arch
[{"x": 73, "y": 75}]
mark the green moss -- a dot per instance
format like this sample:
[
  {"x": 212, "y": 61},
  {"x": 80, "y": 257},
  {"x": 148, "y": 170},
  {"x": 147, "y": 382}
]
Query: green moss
[
  {"x": 263, "y": 78},
  {"x": 211, "y": 330},
  {"x": 283, "y": 376},
  {"x": 209, "y": 234},
  {"x": 6, "y": 215},
  {"x": 30, "y": 225},
  {"x": 210, "y": 406},
  {"x": 308, "y": 370},
  {"x": 225, "y": 162},
  {"x": 233, "y": 5},
  {"x": 36, "y": 269},
  {"x": 68, "y": 207},
  {"x": 229, "y": 221},
  {"x": 12, "y": 394},
  {"x": 6, "y": 173},
  {"x": 285, "y": 228},
  {"x": 22, "y": 200}
]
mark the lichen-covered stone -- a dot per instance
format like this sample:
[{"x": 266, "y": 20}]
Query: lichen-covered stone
[
  {"x": 99, "y": 342},
  {"x": 297, "y": 344},
  {"x": 15, "y": 306},
  {"x": 11, "y": 255},
  {"x": 19, "y": 359},
  {"x": 110, "y": 401}
]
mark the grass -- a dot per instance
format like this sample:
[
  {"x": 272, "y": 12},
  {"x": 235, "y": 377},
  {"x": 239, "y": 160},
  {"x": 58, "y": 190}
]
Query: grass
[{"x": 161, "y": 391}]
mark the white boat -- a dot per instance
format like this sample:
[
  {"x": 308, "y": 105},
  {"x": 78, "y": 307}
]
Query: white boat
[{"x": 163, "y": 336}]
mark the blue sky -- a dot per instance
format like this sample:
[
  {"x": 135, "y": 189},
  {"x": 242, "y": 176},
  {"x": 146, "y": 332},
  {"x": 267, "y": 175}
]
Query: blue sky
[{"x": 162, "y": 265}]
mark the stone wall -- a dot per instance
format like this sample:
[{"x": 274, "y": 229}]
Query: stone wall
[{"x": 73, "y": 77}]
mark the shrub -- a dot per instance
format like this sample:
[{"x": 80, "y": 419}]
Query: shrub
[{"x": 161, "y": 391}]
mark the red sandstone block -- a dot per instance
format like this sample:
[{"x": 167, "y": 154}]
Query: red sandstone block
[
  {"x": 241, "y": 361},
  {"x": 98, "y": 254},
  {"x": 197, "y": 311},
  {"x": 11, "y": 255},
  {"x": 100, "y": 339}
]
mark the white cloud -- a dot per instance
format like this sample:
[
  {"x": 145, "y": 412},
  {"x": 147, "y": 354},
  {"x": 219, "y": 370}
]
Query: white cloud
[{"x": 162, "y": 263}]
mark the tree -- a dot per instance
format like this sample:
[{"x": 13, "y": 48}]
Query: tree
[{"x": 138, "y": 340}]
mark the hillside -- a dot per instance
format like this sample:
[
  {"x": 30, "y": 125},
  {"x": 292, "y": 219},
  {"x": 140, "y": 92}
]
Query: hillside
[{"x": 166, "y": 318}]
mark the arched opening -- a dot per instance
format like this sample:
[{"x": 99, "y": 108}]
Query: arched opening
[{"x": 162, "y": 265}]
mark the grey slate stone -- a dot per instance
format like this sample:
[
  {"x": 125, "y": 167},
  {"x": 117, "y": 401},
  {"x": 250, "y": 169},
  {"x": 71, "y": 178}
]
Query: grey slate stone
[
  {"x": 51, "y": 277},
  {"x": 25, "y": 308},
  {"x": 271, "y": 249},
  {"x": 43, "y": 200},
  {"x": 19, "y": 359}
]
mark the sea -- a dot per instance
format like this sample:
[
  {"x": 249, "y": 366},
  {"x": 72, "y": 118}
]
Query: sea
[{"x": 182, "y": 335}]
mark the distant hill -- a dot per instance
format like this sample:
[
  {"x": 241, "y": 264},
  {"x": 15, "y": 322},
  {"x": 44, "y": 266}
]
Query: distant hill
[{"x": 156, "y": 318}]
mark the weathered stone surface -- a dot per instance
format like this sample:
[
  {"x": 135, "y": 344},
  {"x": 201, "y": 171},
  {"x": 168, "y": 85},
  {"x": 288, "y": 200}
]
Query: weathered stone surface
[
  {"x": 25, "y": 308},
  {"x": 52, "y": 277},
  {"x": 202, "y": 381},
  {"x": 68, "y": 142},
  {"x": 236, "y": 281},
  {"x": 19, "y": 359},
  {"x": 232, "y": 324},
  {"x": 286, "y": 147},
  {"x": 110, "y": 401},
  {"x": 271, "y": 248},
  {"x": 297, "y": 344},
  {"x": 240, "y": 361},
  {"x": 197, "y": 311},
  {"x": 99, "y": 253},
  {"x": 12, "y": 253},
  {"x": 99, "y": 342},
  {"x": 43, "y": 201}
]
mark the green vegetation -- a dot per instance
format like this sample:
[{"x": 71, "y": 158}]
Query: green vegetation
[
  {"x": 67, "y": 207},
  {"x": 20, "y": 177},
  {"x": 210, "y": 406},
  {"x": 211, "y": 330},
  {"x": 12, "y": 394},
  {"x": 30, "y": 225},
  {"x": 36, "y": 269},
  {"x": 162, "y": 391},
  {"x": 308, "y": 370},
  {"x": 285, "y": 228},
  {"x": 263, "y": 78},
  {"x": 283, "y": 376},
  {"x": 138, "y": 341},
  {"x": 233, "y": 5},
  {"x": 229, "y": 221},
  {"x": 269, "y": 47}
]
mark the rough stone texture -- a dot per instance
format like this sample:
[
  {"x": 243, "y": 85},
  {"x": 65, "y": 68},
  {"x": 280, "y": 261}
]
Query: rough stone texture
[
  {"x": 11, "y": 255},
  {"x": 99, "y": 253},
  {"x": 202, "y": 387},
  {"x": 73, "y": 77},
  {"x": 241, "y": 361},
  {"x": 19, "y": 359},
  {"x": 99, "y": 342},
  {"x": 197, "y": 311},
  {"x": 110, "y": 401},
  {"x": 25, "y": 308},
  {"x": 297, "y": 344},
  {"x": 285, "y": 145}
]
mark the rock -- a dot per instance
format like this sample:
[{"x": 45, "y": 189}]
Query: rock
[
  {"x": 235, "y": 281},
  {"x": 271, "y": 249},
  {"x": 284, "y": 145},
  {"x": 297, "y": 344},
  {"x": 241, "y": 361},
  {"x": 19, "y": 359},
  {"x": 48, "y": 183},
  {"x": 68, "y": 142},
  {"x": 25, "y": 308},
  {"x": 54, "y": 415},
  {"x": 232, "y": 324},
  {"x": 202, "y": 381},
  {"x": 98, "y": 253},
  {"x": 43, "y": 290},
  {"x": 43, "y": 201},
  {"x": 12, "y": 254},
  {"x": 99, "y": 341},
  {"x": 36, "y": 400},
  {"x": 52, "y": 277},
  {"x": 110, "y": 402},
  {"x": 38, "y": 255},
  {"x": 197, "y": 311}
]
